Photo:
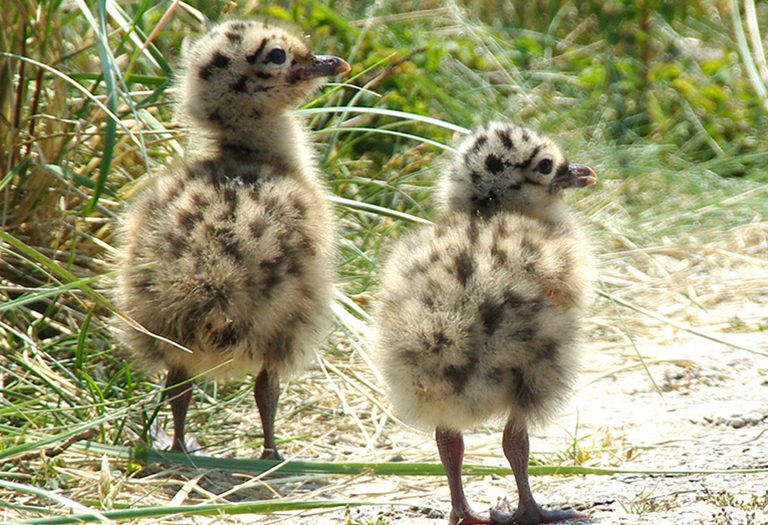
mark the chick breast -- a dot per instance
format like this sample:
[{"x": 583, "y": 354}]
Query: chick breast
[
  {"x": 480, "y": 318},
  {"x": 233, "y": 260}
]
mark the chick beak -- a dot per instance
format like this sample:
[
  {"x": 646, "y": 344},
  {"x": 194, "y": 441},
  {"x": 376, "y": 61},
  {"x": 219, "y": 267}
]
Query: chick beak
[
  {"x": 576, "y": 176},
  {"x": 319, "y": 66}
]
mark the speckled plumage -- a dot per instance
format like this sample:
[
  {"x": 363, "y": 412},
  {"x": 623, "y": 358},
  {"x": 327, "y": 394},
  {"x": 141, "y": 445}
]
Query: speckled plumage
[
  {"x": 478, "y": 315},
  {"x": 230, "y": 253}
]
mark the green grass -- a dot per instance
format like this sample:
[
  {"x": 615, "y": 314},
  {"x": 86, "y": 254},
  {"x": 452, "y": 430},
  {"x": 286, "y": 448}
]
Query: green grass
[{"x": 665, "y": 100}]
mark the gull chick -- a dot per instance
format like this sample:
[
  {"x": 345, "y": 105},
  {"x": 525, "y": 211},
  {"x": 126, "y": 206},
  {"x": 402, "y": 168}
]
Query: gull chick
[
  {"x": 230, "y": 253},
  {"x": 479, "y": 314}
]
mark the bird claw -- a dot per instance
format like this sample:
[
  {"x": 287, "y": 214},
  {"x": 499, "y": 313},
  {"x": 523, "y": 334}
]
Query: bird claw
[
  {"x": 501, "y": 506},
  {"x": 161, "y": 440},
  {"x": 468, "y": 518},
  {"x": 530, "y": 515},
  {"x": 500, "y": 514}
]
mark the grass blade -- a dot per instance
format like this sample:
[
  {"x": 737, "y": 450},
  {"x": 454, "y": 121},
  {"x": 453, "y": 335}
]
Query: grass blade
[
  {"x": 399, "y": 468},
  {"x": 410, "y": 136},
  {"x": 385, "y": 113},
  {"x": 108, "y": 68},
  {"x": 746, "y": 55},
  {"x": 86, "y": 513},
  {"x": 376, "y": 210},
  {"x": 48, "y": 292},
  {"x": 214, "y": 509}
]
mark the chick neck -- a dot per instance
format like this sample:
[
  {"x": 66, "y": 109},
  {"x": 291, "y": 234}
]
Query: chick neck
[{"x": 277, "y": 138}]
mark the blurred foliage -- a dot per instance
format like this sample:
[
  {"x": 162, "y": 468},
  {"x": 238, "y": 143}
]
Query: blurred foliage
[{"x": 666, "y": 72}]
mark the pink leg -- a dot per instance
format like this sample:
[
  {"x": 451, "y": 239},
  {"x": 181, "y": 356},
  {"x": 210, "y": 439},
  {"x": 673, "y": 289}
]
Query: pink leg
[
  {"x": 516, "y": 448},
  {"x": 450, "y": 444},
  {"x": 179, "y": 393},
  {"x": 266, "y": 391}
]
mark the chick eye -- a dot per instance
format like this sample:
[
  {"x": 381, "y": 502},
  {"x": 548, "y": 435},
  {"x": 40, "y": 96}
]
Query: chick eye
[
  {"x": 544, "y": 167},
  {"x": 276, "y": 56}
]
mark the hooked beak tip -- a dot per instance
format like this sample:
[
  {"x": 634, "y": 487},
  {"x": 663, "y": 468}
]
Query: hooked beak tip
[
  {"x": 327, "y": 65},
  {"x": 576, "y": 176},
  {"x": 343, "y": 67},
  {"x": 318, "y": 66},
  {"x": 585, "y": 174}
]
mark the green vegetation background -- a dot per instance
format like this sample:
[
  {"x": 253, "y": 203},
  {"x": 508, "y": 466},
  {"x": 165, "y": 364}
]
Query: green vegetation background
[{"x": 666, "y": 100}]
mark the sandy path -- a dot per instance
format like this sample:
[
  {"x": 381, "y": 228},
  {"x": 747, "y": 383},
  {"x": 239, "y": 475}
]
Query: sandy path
[{"x": 710, "y": 412}]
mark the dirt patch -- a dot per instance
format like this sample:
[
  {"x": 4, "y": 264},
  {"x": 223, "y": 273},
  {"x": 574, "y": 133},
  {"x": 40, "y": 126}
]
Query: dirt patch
[{"x": 707, "y": 410}]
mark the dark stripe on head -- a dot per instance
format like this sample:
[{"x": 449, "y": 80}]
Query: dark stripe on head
[
  {"x": 440, "y": 342},
  {"x": 211, "y": 297},
  {"x": 515, "y": 300},
  {"x": 171, "y": 194},
  {"x": 494, "y": 163},
  {"x": 227, "y": 242},
  {"x": 265, "y": 76},
  {"x": 496, "y": 374},
  {"x": 499, "y": 255},
  {"x": 219, "y": 60},
  {"x": 253, "y": 57},
  {"x": 205, "y": 73},
  {"x": 299, "y": 206},
  {"x": 235, "y": 38},
  {"x": 527, "y": 162},
  {"x": 506, "y": 140},
  {"x": 479, "y": 141}
]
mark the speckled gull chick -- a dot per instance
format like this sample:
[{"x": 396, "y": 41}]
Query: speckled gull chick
[
  {"x": 230, "y": 253},
  {"x": 479, "y": 313}
]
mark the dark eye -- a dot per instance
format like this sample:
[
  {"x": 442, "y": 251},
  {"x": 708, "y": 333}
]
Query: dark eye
[
  {"x": 276, "y": 56},
  {"x": 544, "y": 167}
]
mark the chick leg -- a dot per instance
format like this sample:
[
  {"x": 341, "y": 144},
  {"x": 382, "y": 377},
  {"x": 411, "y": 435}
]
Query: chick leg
[
  {"x": 516, "y": 448},
  {"x": 179, "y": 392},
  {"x": 267, "y": 391},
  {"x": 450, "y": 444}
]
